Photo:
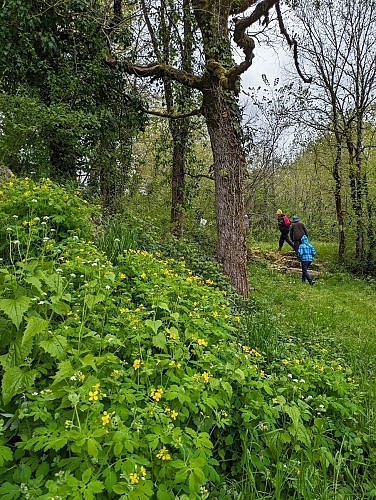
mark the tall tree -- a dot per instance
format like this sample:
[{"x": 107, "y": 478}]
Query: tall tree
[
  {"x": 218, "y": 81},
  {"x": 51, "y": 62}
]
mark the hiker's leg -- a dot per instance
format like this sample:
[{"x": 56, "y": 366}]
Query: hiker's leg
[
  {"x": 305, "y": 273},
  {"x": 281, "y": 240},
  {"x": 296, "y": 246}
]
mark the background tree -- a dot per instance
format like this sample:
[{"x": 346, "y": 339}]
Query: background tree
[
  {"x": 82, "y": 114},
  {"x": 339, "y": 45}
]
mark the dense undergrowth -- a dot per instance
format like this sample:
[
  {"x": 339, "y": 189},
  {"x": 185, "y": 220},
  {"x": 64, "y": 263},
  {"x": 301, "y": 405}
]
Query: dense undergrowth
[{"x": 137, "y": 377}]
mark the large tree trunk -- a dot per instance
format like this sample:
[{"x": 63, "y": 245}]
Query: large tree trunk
[{"x": 229, "y": 167}]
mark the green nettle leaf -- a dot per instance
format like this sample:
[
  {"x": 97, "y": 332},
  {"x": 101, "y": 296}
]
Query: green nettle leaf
[
  {"x": 160, "y": 340},
  {"x": 55, "y": 346},
  {"x": 35, "y": 282},
  {"x": 35, "y": 325},
  {"x": 15, "y": 308},
  {"x": 66, "y": 370},
  {"x": 16, "y": 379},
  {"x": 153, "y": 324},
  {"x": 93, "y": 300},
  {"x": 17, "y": 353},
  {"x": 163, "y": 305}
]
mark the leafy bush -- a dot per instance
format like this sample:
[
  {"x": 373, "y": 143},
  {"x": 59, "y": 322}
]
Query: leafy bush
[
  {"x": 129, "y": 382},
  {"x": 34, "y": 216}
]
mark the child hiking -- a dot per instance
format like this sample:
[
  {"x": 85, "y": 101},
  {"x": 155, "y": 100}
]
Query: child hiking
[
  {"x": 306, "y": 253},
  {"x": 284, "y": 227}
]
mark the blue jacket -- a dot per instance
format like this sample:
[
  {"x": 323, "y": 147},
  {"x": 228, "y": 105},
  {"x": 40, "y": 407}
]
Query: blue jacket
[{"x": 306, "y": 250}]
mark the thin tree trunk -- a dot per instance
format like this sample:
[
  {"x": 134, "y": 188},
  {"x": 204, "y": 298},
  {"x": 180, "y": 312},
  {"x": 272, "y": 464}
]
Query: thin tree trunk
[
  {"x": 180, "y": 139},
  {"x": 229, "y": 168},
  {"x": 338, "y": 204}
]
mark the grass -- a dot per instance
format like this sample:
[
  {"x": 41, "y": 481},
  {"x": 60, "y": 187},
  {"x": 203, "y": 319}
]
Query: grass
[{"x": 337, "y": 314}]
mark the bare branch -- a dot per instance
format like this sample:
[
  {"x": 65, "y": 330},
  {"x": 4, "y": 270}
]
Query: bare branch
[
  {"x": 292, "y": 43},
  {"x": 244, "y": 41}
]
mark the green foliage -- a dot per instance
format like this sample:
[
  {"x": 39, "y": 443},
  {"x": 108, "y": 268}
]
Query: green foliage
[
  {"x": 129, "y": 382},
  {"x": 36, "y": 216}
]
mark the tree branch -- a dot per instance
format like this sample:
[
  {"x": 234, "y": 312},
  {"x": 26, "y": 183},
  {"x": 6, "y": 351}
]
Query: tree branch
[
  {"x": 244, "y": 41},
  {"x": 163, "y": 114},
  {"x": 292, "y": 43},
  {"x": 156, "y": 70}
]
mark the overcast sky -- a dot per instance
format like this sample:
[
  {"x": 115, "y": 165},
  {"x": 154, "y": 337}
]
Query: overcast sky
[{"x": 267, "y": 61}]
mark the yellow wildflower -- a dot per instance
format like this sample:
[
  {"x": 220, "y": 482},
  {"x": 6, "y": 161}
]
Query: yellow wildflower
[
  {"x": 156, "y": 394},
  {"x": 143, "y": 471},
  {"x": 174, "y": 414},
  {"x": 93, "y": 396},
  {"x": 133, "y": 477},
  {"x": 106, "y": 418},
  {"x": 206, "y": 377},
  {"x": 81, "y": 376},
  {"x": 202, "y": 342},
  {"x": 163, "y": 454},
  {"x": 122, "y": 276},
  {"x": 136, "y": 364},
  {"x": 96, "y": 387},
  {"x": 275, "y": 401}
]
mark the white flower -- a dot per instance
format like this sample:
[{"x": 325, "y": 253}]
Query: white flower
[
  {"x": 9, "y": 229},
  {"x": 73, "y": 377},
  {"x": 45, "y": 217},
  {"x": 294, "y": 379},
  {"x": 107, "y": 287},
  {"x": 75, "y": 237},
  {"x": 309, "y": 397},
  {"x": 37, "y": 219},
  {"x": 321, "y": 406},
  {"x": 117, "y": 240},
  {"x": 290, "y": 375},
  {"x": 203, "y": 222},
  {"x": 110, "y": 339},
  {"x": 94, "y": 264},
  {"x": 34, "y": 393},
  {"x": 41, "y": 302},
  {"x": 52, "y": 230},
  {"x": 34, "y": 200},
  {"x": 15, "y": 216},
  {"x": 59, "y": 270},
  {"x": 45, "y": 239},
  {"x": 73, "y": 275},
  {"x": 302, "y": 380},
  {"x": 16, "y": 242},
  {"x": 43, "y": 223}
]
